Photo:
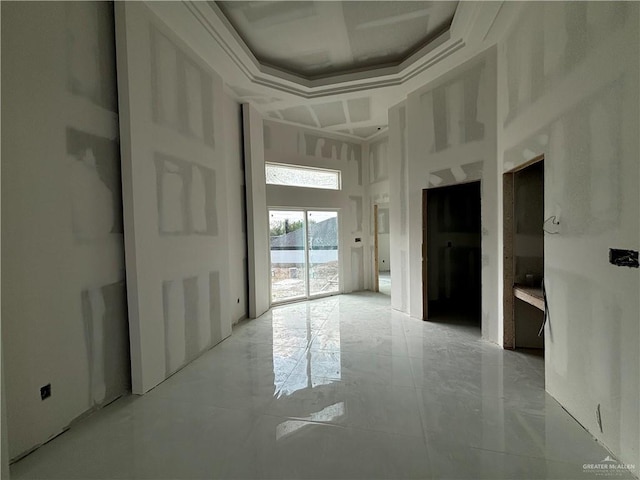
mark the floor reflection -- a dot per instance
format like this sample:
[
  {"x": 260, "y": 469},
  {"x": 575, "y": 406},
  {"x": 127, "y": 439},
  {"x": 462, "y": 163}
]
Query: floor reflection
[
  {"x": 308, "y": 324},
  {"x": 327, "y": 414}
]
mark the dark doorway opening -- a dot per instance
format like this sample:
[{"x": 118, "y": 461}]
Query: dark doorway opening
[
  {"x": 523, "y": 256},
  {"x": 452, "y": 265}
]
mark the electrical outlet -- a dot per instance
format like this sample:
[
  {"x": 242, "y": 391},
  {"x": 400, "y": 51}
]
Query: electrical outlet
[
  {"x": 45, "y": 392},
  {"x": 623, "y": 258}
]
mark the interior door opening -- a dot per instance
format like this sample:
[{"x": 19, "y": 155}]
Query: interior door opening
[
  {"x": 523, "y": 259},
  {"x": 382, "y": 249},
  {"x": 304, "y": 254},
  {"x": 452, "y": 267}
]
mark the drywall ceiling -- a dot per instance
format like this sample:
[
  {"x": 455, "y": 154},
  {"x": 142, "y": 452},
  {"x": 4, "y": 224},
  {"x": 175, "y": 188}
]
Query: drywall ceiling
[
  {"x": 342, "y": 116},
  {"x": 373, "y": 54},
  {"x": 319, "y": 38}
]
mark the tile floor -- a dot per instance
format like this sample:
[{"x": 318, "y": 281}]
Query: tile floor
[{"x": 341, "y": 387}]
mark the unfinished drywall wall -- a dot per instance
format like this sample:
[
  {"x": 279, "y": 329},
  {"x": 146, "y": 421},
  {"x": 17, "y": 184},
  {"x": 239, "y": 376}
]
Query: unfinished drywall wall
[
  {"x": 377, "y": 189},
  {"x": 175, "y": 195},
  {"x": 237, "y": 210},
  {"x": 568, "y": 88},
  {"x": 287, "y": 144},
  {"x": 4, "y": 436},
  {"x": 65, "y": 320},
  {"x": 379, "y": 159},
  {"x": 452, "y": 139},
  {"x": 259, "y": 264},
  {"x": 398, "y": 207}
]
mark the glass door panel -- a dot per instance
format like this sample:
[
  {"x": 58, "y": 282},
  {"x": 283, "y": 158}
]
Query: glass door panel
[
  {"x": 322, "y": 243},
  {"x": 288, "y": 255}
]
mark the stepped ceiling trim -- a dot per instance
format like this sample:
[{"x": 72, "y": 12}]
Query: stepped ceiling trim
[
  {"x": 216, "y": 24},
  {"x": 317, "y": 39}
]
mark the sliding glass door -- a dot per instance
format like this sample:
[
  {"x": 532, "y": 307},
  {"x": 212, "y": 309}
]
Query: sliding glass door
[
  {"x": 288, "y": 255},
  {"x": 322, "y": 244},
  {"x": 304, "y": 254}
]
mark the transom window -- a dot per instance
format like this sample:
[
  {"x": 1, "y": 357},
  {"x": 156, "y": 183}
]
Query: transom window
[{"x": 308, "y": 177}]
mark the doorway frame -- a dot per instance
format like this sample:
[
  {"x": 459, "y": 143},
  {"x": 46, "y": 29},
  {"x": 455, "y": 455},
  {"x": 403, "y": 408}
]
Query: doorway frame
[
  {"x": 508, "y": 256},
  {"x": 376, "y": 254},
  {"x": 307, "y": 296},
  {"x": 425, "y": 267}
]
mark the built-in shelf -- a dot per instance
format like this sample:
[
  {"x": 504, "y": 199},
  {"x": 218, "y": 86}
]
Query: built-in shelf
[{"x": 531, "y": 295}]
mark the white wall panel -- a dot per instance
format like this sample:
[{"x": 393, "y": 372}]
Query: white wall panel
[
  {"x": 569, "y": 89},
  {"x": 63, "y": 309},
  {"x": 175, "y": 196}
]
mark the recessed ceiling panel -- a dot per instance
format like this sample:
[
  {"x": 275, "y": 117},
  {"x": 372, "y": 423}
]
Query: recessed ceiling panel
[
  {"x": 263, "y": 14},
  {"x": 314, "y": 61},
  {"x": 299, "y": 114},
  {"x": 387, "y": 32},
  {"x": 318, "y": 38},
  {"x": 359, "y": 109},
  {"x": 330, "y": 113}
]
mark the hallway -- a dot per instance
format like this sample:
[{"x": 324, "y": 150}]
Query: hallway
[{"x": 340, "y": 387}]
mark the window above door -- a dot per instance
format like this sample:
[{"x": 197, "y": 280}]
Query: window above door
[{"x": 306, "y": 177}]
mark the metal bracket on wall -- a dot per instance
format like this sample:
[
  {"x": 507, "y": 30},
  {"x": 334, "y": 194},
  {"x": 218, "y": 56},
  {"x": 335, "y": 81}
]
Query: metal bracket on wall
[
  {"x": 546, "y": 310},
  {"x": 550, "y": 225}
]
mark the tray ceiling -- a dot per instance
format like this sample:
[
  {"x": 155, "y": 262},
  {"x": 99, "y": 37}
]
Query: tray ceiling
[
  {"x": 335, "y": 66},
  {"x": 315, "y": 39}
]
